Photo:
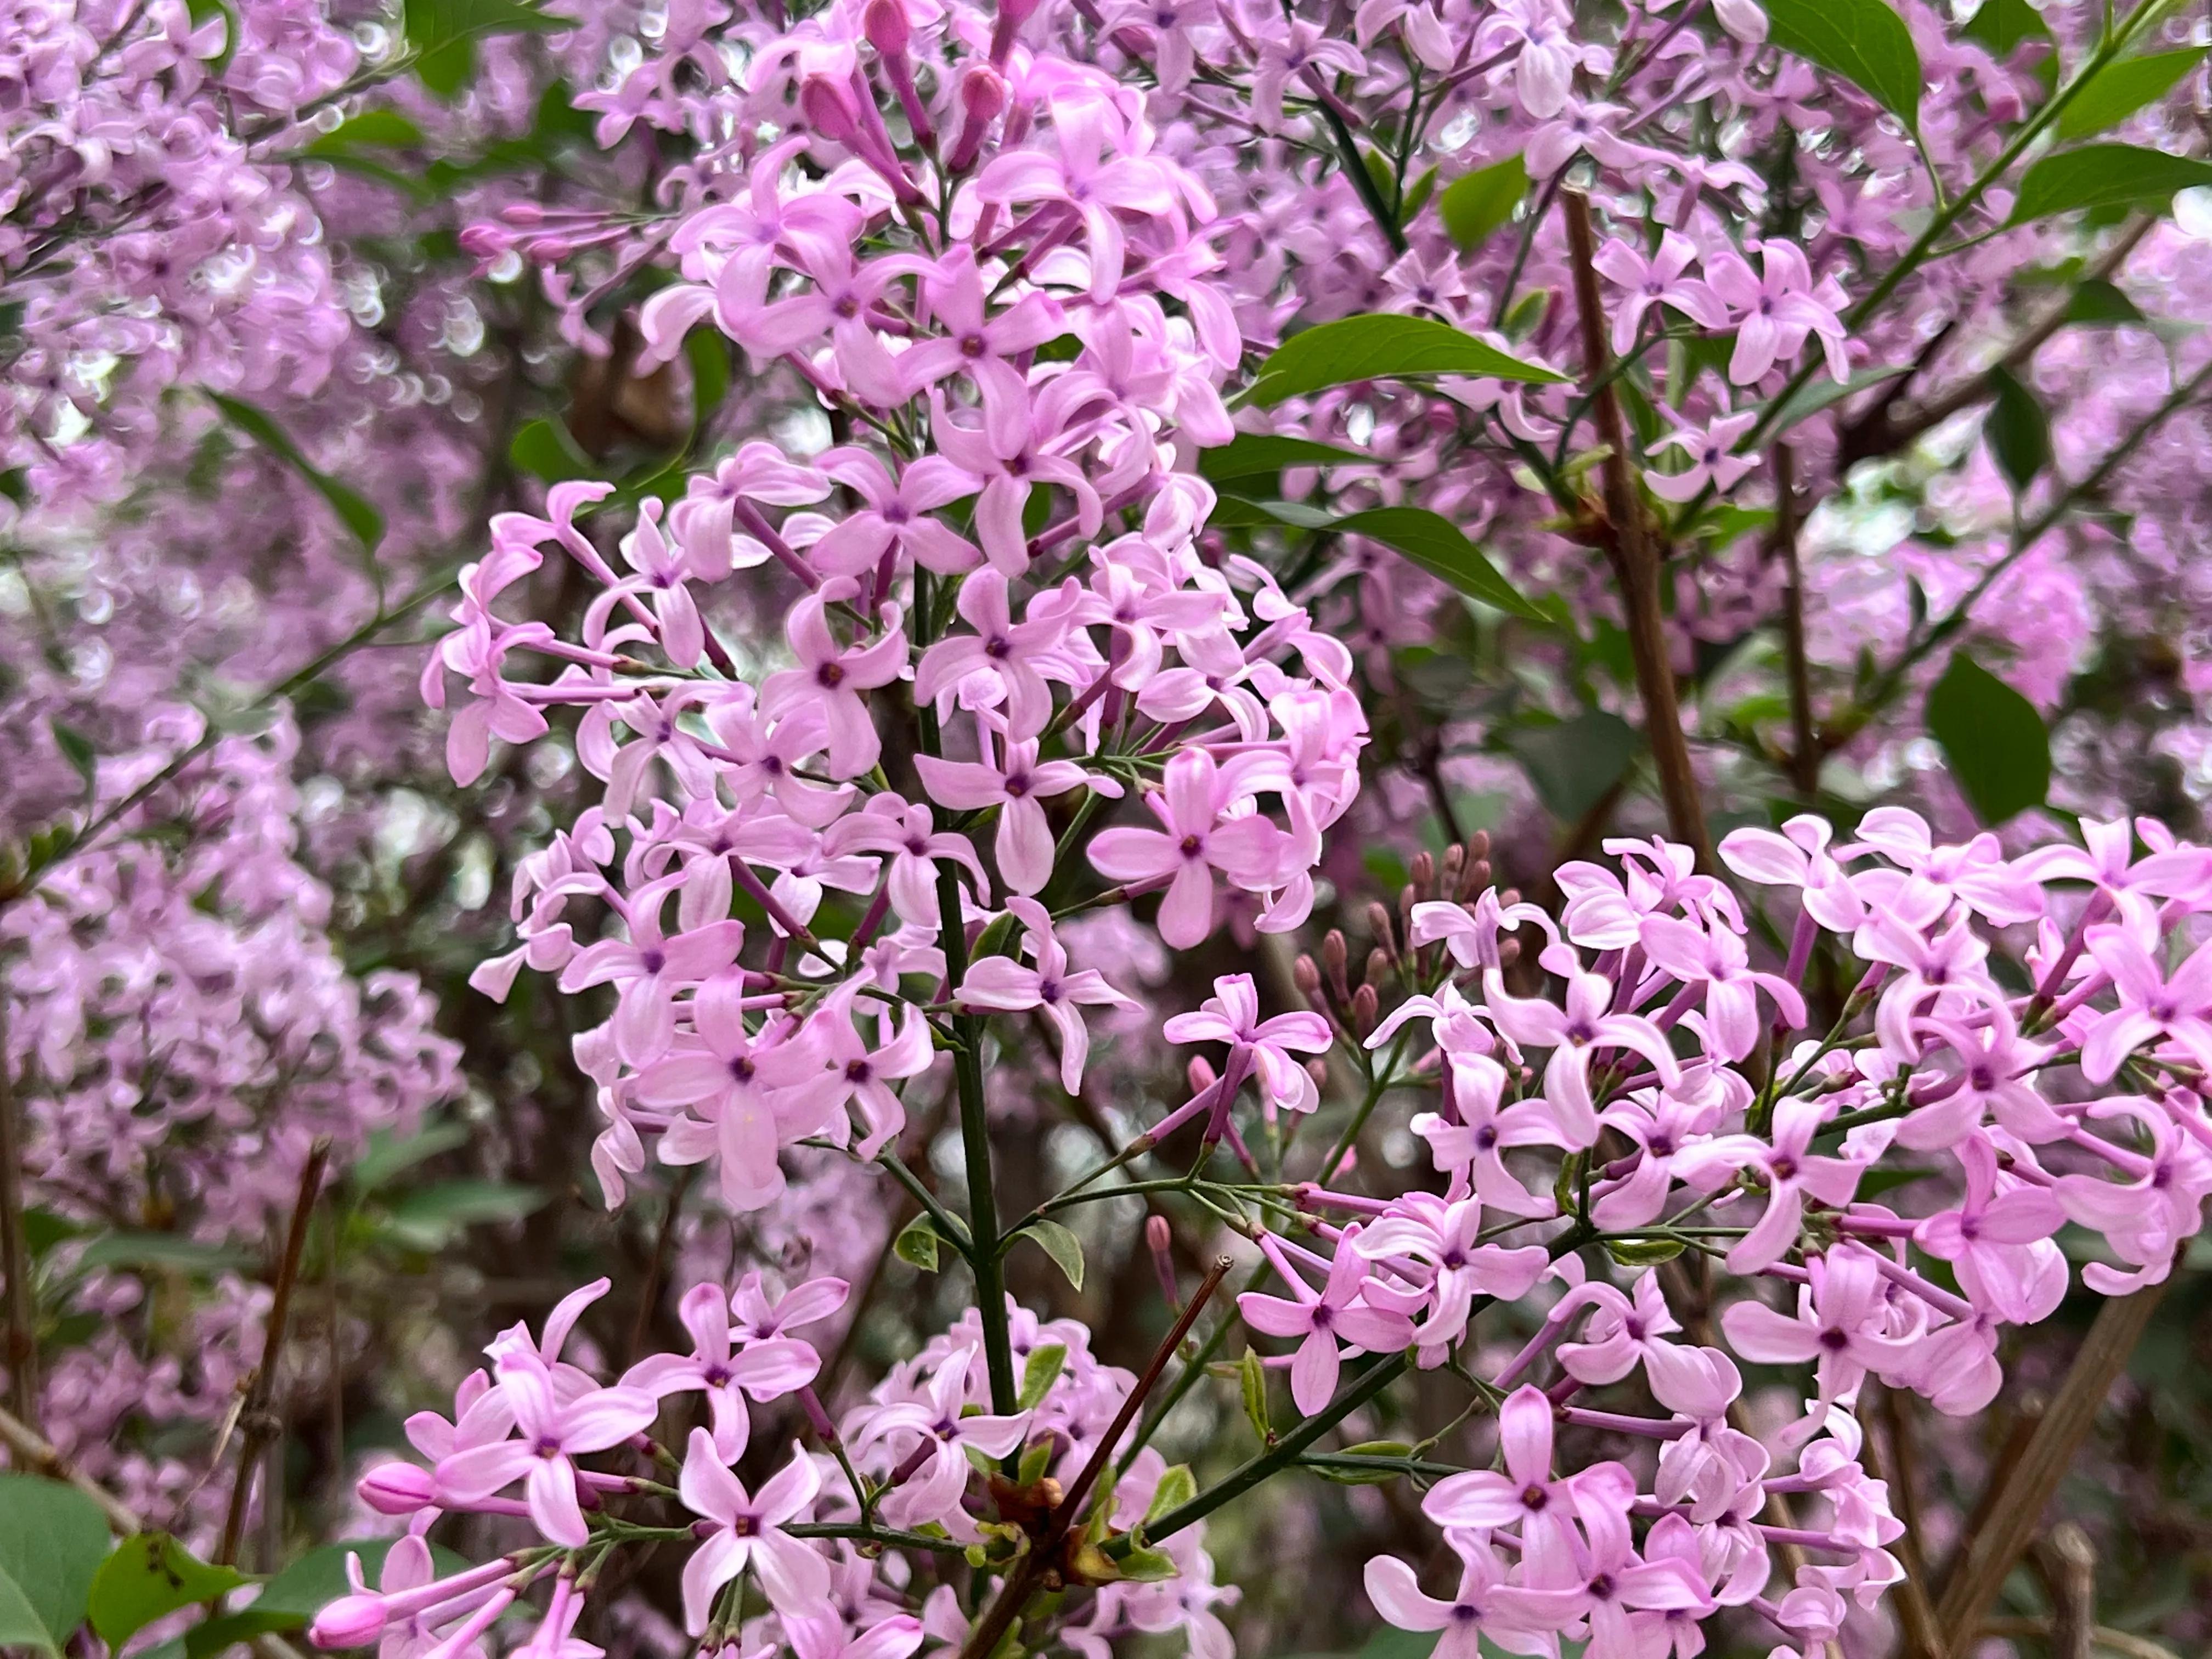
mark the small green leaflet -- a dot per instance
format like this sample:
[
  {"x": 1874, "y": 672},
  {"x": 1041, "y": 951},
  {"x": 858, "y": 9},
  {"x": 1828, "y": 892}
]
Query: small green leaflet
[
  {"x": 378, "y": 129},
  {"x": 52, "y": 1540},
  {"x": 1995, "y": 741},
  {"x": 1574, "y": 763},
  {"x": 443, "y": 34},
  {"x": 1039, "y": 1372},
  {"x": 1255, "y": 454},
  {"x": 2018, "y": 431},
  {"x": 429, "y": 1218},
  {"x": 352, "y": 508},
  {"x": 1441, "y": 547},
  {"x": 1862, "y": 40},
  {"x": 144, "y": 1251},
  {"x": 200, "y": 11},
  {"x": 2105, "y": 175},
  {"x": 2003, "y": 25},
  {"x": 1383, "y": 346},
  {"x": 2097, "y": 301},
  {"x": 1477, "y": 204},
  {"x": 149, "y": 1578},
  {"x": 545, "y": 449},
  {"x": 916, "y": 1244},
  {"x": 1062, "y": 1246},
  {"x": 2120, "y": 88}
]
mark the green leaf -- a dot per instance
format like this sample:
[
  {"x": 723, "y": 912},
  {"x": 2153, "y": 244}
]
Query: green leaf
[
  {"x": 444, "y": 34},
  {"x": 1995, "y": 741},
  {"x": 2018, "y": 431},
  {"x": 375, "y": 129},
  {"x": 1862, "y": 40},
  {"x": 1417, "y": 196},
  {"x": 1476, "y": 203},
  {"x": 1439, "y": 547},
  {"x": 709, "y": 358},
  {"x": 545, "y": 450},
  {"x": 1252, "y": 1383},
  {"x": 230, "y": 1630},
  {"x": 1062, "y": 1246},
  {"x": 431, "y": 1218},
  {"x": 1256, "y": 455},
  {"x": 43, "y": 1230},
  {"x": 2122, "y": 87},
  {"x": 1573, "y": 764},
  {"x": 52, "y": 1540},
  {"x": 353, "y": 508},
  {"x": 1146, "y": 1566},
  {"x": 161, "y": 1250},
  {"x": 1344, "y": 1477},
  {"x": 150, "y": 1576},
  {"x": 1383, "y": 346},
  {"x": 76, "y": 748},
  {"x": 2106, "y": 176},
  {"x": 1809, "y": 401},
  {"x": 2003, "y": 25},
  {"x": 1644, "y": 1253},
  {"x": 2097, "y": 301},
  {"x": 1040, "y": 1371},
  {"x": 1178, "y": 1485},
  {"x": 199, "y": 11},
  {"x": 386, "y": 1156},
  {"x": 917, "y": 1244}
]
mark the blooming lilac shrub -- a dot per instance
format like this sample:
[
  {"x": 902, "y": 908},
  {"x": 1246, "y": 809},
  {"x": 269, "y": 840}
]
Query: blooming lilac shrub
[{"x": 1058, "y": 517}]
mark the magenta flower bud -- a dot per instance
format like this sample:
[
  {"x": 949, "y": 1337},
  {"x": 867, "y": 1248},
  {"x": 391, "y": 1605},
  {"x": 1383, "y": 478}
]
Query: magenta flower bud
[
  {"x": 398, "y": 1488},
  {"x": 982, "y": 100},
  {"x": 1012, "y": 14},
  {"x": 351, "y": 1621},
  {"x": 887, "y": 28},
  {"x": 828, "y": 110}
]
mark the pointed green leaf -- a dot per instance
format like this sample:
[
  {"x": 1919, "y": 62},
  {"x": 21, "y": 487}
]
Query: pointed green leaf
[
  {"x": 386, "y": 1155},
  {"x": 199, "y": 11},
  {"x": 1062, "y": 1246},
  {"x": 1252, "y": 1384},
  {"x": 1997, "y": 746},
  {"x": 1862, "y": 40},
  {"x": 2106, "y": 176},
  {"x": 2097, "y": 301},
  {"x": 2122, "y": 87},
  {"x": 1178, "y": 1485},
  {"x": 1476, "y": 203},
  {"x": 1574, "y": 763},
  {"x": 377, "y": 129},
  {"x": 1040, "y": 1371},
  {"x": 1383, "y": 346},
  {"x": 1439, "y": 547},
  {"x": 917, "y": 1244},
  {"x": 2018, "y": 431},
  {"x": 150, "y": 1576},
  {"x": 2003, "y": 25},
  {"x": 353, "y": 508},
  {"x": 1255, "y": 454},
  {"x": 545, "y": 450},
  {"x": 52, "y": 1540},
  {"x": 429, "y": 1218}
]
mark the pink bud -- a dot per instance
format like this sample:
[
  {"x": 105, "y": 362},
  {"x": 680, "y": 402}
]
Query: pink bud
[
  {"x": 1201, "y": 1073},
  {"x": 397, "y": 1488},
  {"x": 829, "y": 111},
  {"x": 887, "y": 26},
  {"x": 1012, "y": 14},
  {"x": 982, "y": 100},
  {"x": 351, "y": 1621}
]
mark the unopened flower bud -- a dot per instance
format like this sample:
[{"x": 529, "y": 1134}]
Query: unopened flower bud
[
  {"x": 351, "y": 1621},
  {"x": 982, "y": 100},
  {"x": 1201, "y": 1074},
  {"x": 1378, "y": 969},
  {"x": 398, "y": 1488},
  {"x": 1305, "y": 974},
  {"x": 1378, "y": 924},
  {"x": 1012, "y": 14},
  {"x": 829, "y": 109},
  {"x": 1158, "y": 1239},
  {"x": 1425, "y": 871},
  {"x": 1366, "y": 1007},
  {"x": 887, "y": 28}
]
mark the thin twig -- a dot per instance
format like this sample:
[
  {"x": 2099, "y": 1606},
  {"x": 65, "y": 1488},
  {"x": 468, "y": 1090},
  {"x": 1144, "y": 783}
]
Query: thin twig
[
  {"x": 22, "y": 1349},
  {"x": 31, "y": 1451},
  {"x": 1635, "y": 560},
  {"x": 648, "y": 1296},
  {"x": 256, "y": 1428},
  {"x": 1044, "y": 1557},
  {"x": 2102, "y": 1636},
  {"x": 2017, "y": 1508}
]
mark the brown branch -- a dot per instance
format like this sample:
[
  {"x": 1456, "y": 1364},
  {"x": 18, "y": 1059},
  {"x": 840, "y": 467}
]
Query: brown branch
[
  {"x": 648, "y": 1296},
  {"x": 256, "y": 1428},
  {"x": 22, "y": 1338},
  {"x": 2100, "y": 1636},
  {"x": 2015, "y": 1505},
  {"x": 1894, "y": 1466},
  {"x": 1804, "y": 744},
  {"x": 1636, "y": 561},
  {"x": 2068, "y": 1561},
  {"x": 1041, "y": 1568}
]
